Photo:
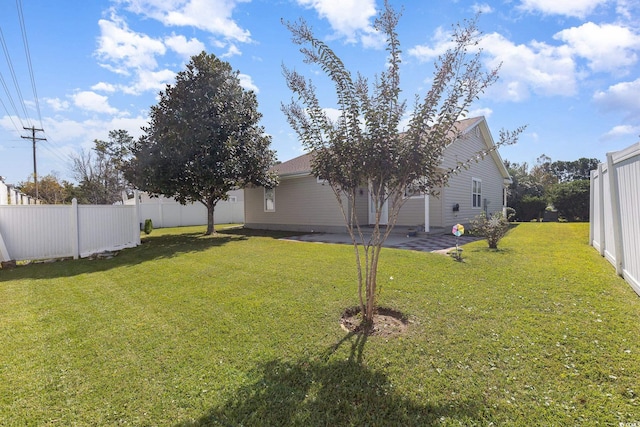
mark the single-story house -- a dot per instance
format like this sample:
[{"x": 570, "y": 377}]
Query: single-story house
[{"x": 302, "y": 202}]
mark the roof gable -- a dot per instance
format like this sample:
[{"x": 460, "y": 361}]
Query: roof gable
[{"x": 301, "y": 165}]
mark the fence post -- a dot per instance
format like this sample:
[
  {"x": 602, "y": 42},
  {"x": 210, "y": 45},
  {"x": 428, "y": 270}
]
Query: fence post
[
  {"x": 138, "y": 215},
  {"x": 75, "y": 238},
  {"x": 601, "y": 202},
  {"x": 615, "y": 214},
  {"x": 592, "y": 204}
]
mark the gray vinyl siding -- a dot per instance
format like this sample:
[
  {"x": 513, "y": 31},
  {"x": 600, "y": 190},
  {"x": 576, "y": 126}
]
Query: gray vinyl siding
[
  {"x": 301, "y": 204},
  {"x": 362, "y": 205},
  {"x": 459, "y": 188},
  {"x": 412, "y": 213},
  {"x": 435, "y": 212}
]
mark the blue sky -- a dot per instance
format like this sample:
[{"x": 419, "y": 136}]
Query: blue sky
[{"x": 570, "y": 69}]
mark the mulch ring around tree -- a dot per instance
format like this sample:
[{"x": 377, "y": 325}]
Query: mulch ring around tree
[{"x": 387, "y": 322}]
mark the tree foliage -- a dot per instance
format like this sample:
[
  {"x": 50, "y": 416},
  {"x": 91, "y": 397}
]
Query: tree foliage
[
  {"x": 99, "y": 171},
  {"x": 203, "y": 138},
  {"x": 523, "y": 191},
  {"x": 571, "y": 199},
  {"x": 50, "y": 190},
  {"x": 567, "y": 171},
  {"x": 550, "y": 182},
  {"x": 364, "y": 145}
]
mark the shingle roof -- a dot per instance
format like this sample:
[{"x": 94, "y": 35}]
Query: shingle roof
[
  {"x": 301, "y": 165},
  {"x": 466, "y": 124},
  {"x": 296, "y": 166}
]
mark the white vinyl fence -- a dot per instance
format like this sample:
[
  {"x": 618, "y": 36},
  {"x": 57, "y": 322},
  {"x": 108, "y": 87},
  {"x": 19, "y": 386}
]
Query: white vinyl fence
[
  {"x": 4, "y": 194},
  {"x": 166, "y": 212},
  {"x": 615, "y": 212},
  {"x": 11, "y": 195},
  {"x": 29, "y": 232}
]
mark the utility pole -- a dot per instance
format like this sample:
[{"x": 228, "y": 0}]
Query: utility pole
[{"x": 34, "y": 139}]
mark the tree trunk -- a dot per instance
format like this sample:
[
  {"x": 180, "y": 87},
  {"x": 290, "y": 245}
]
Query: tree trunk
[{"x": 210, "y": 223}]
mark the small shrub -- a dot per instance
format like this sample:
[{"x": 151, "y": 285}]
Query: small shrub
[
  {"x": 148, "y": 226},
  {"x": 492, "y": 228}
]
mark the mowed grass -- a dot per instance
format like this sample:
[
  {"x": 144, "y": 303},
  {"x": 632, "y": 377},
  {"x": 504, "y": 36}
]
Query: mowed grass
[{"x": 242, "y": 329}]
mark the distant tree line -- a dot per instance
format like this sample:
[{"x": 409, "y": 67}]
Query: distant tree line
[
  {"x": 555, "y": 185},
  {"x": 98, "y": 172}
]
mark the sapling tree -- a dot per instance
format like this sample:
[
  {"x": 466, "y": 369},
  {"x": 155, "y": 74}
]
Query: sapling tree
[{"x": 365, "y": 146}]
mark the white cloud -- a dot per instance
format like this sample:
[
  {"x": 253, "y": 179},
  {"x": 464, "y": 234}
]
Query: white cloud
[
  {"x": 247, "y": 83},
  {"x": 104, "y": 87},
  {"x": 482, "y": 8},
  {"x": 525, "y": 68},
  {"x": 57, "y": 104},
  {"x": 486, "y": 112},
  {"x": 621, "y": 131},
  {"x": 232, "y": 51},
  {"x": 68, "y": 135},
  {"x": 92, "y": 101},
  {"x": 147, "y": 80},
  {"x": 183, "y": 47},
  {"x": 537, "y": 67},
  {"x": 348, "y": 18},
  {"x": 606, "y": 47},
  {"x": 213, "y": 16},
  {"x": 332, "y": 113},
  {"x": 623, "y": 96},
  {"x": 121, "y": 49},
  {"x": 440, "y": 42},
  {"x": 574, "y": 8}
]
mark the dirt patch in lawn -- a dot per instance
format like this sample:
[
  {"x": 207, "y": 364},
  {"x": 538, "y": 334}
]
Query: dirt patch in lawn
[{"x": 387, "y": 322}]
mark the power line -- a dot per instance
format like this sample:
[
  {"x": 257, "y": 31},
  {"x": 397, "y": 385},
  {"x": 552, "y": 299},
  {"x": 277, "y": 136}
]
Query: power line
[
  {"x": 28, "y": 55},
  {"x": 5, "y": 109},
  {"x": 14, "y": 77}
]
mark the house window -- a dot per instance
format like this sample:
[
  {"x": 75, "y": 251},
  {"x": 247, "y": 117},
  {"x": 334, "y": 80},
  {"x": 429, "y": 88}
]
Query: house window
[
  {"x": 269, "y": 199},
  {"x": 476, "y": 193}
]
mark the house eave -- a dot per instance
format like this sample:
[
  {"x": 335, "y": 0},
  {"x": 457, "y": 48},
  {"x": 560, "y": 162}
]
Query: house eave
[{"x": 294, "y": 175}]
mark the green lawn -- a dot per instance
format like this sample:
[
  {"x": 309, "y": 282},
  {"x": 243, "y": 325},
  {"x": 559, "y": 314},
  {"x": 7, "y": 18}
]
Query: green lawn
[{"x": 242, "y": 329}]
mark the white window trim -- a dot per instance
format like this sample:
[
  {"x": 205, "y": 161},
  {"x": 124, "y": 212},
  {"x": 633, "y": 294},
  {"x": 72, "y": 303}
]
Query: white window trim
[
  {"x": 273, "y": 199},
  {"x": 417, "y": 195},
  {"x": 473, "y": 194}
]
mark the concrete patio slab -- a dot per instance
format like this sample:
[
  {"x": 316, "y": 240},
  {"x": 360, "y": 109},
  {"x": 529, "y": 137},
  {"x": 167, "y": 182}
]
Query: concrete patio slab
[{"x": 421, "y": 242}]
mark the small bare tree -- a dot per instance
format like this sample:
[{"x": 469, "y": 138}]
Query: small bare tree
[{"x": 364, "y": 146}]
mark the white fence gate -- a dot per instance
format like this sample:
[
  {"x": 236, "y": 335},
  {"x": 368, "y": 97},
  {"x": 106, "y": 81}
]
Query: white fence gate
[
  {"x": 615, "y": 212},
  {"x": 30, "y": 232}
]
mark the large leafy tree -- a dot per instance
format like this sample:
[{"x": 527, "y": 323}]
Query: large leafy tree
[
  {"x": 203, "y": 138},
  {"x": 364, "y": 145}
]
